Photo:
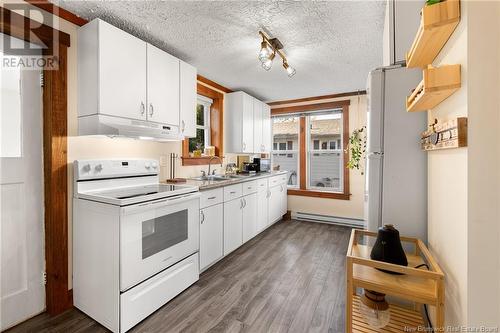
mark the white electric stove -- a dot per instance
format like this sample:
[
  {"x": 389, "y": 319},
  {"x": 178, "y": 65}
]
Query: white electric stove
[{"x": 135, "y": 240}]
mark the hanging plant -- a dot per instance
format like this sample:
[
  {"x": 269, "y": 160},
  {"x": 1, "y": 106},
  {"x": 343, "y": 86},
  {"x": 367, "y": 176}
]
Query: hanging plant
[{"x": 357, "y": 148}]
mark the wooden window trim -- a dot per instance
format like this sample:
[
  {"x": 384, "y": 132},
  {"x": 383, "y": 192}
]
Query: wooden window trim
[
  {"x": 216, "y": 127},
  {"x": 55, "y": 160},
  {"x": 314, "y": 99},
  {"x": 302, "y": 190}
]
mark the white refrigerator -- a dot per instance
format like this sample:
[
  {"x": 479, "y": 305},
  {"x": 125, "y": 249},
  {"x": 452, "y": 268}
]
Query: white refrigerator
[{"x": 396, "y": 168}]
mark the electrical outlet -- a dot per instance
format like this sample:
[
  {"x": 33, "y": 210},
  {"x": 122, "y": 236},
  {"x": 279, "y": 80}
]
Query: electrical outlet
[{"x": 164, "y": 160}]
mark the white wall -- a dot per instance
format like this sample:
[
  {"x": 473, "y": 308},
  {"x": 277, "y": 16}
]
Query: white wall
[
  {"x": 464, "y": 183},
  {"x": 483, "y": 176},
  {"x": 352, "y": 208}
]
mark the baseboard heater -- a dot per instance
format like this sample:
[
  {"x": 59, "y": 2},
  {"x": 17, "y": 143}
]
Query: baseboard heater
[{"x": 345, "y": 221}]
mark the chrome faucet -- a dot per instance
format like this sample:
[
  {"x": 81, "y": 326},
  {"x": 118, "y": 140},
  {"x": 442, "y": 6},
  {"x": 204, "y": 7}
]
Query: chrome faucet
[{"x": 210, "y": 163}]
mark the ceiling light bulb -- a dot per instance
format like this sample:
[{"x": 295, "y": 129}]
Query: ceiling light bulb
[
  {"x": 264, "y": 52},
  {"x": 289, "y": 69},
  {"x": 268, "y": 63}
]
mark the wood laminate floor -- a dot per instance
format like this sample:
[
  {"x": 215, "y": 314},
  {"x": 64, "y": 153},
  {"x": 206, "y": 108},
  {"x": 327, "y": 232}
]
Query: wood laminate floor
[{"x": 290, "y": 278}]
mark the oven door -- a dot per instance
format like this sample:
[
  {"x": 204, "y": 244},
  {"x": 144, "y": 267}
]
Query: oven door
[{"x": 155, "y": 235}]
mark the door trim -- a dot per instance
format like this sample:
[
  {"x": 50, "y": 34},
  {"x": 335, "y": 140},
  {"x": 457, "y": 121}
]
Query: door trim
[{"x": 58, "y": 297}]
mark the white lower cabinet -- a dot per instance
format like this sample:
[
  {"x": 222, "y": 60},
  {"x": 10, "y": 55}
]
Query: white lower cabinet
[
  {"x": 234, "y": 214},
  {"x": 211, "y": 235},
  {"x": 262, "y": 209},
  {"x": 233, "y": 225},
  {"x": 249, "y": 217},
  {"x": 275, "y": 203},
  {"x": 284, "y": 199}
]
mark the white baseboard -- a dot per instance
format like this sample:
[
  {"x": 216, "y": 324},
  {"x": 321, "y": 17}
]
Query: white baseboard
[{"x": 345, "y": 221}]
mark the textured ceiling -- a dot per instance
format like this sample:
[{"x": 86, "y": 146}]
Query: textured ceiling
[{"x": 332, "y": 44}]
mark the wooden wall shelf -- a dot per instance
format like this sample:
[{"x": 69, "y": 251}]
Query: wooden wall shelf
[
  {"x": 437, "y": 85},
  {"x": 418, "y": 285},
  {"x": 436, "y": 26}
]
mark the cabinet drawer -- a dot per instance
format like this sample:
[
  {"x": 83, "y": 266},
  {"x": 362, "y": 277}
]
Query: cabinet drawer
[
  {"x": 284, "y": 179},
  {"x": 233, "y": 191},
  {"x": 274, "y": 180},
  {"x": 249, "y": 187},
  {"x": 211, "y": 197},
  {"x": 262, "y": 184},
  {"x": 142, "y": 300}
]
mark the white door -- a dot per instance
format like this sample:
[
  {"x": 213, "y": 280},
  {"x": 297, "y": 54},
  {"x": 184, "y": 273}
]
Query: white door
[
  {"x": 188, "y": 98},
  {"x": 122, "y": 73},
  {"x": 274, "y": 204},
  {"x": 211, "y": 235},
  {"x": 257, "y": 126},
  {"x": 163, "y": 87},
  {"x": 266, "y": 128},
  {"x": 247, "y": 124},
  {"x": 249, "y": 216},
  {"x": 262, "y": 209},
  {"x": 21, "y": 197},
  {"x": 233, "y": 223}
]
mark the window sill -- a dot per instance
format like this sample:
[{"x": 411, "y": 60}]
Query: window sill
[
  {"x": 319, "y": 194},
  {"x": 204, "y": 160}
]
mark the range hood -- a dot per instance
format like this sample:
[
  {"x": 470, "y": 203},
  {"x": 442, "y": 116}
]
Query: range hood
[{"x": 112, "y": 126}]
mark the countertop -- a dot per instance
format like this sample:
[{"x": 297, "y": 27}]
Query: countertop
[{"x": 211, "y": 184}]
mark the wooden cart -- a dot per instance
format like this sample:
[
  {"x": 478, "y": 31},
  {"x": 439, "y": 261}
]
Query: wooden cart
[{"x": 417, "y": 285}]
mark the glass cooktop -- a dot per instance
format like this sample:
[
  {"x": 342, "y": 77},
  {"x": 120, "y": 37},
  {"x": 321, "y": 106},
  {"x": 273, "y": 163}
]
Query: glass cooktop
[{"x": 133, "y": 192}]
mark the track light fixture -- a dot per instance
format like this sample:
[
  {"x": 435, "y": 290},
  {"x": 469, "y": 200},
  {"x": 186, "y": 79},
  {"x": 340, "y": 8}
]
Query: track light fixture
[{"x": 269, "y": 47}]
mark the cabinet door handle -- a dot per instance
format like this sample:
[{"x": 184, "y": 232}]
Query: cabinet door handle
[
  {"x": 244, "y": 146},
  {"x": 211, "y": 198},
  {"x": 244, "y": 202},
  {"x": 183, "y": 125},
  {"x": 241, "y": 203},
  {"x": 202, "y": 217},
  {"x": 143, "y": 108},
  {"x": 151, "y": 109}
]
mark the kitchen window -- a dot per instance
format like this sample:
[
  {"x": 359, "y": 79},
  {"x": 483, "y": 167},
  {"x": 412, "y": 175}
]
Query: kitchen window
[
  {"x": 202, "y": 139},
  {"x": 285, "y": 146},
  {"x": 209, "y": 126},
  {"x": 319, "y": 161}
]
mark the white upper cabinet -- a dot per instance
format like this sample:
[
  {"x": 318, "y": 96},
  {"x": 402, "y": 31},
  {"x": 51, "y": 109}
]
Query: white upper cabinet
[
  {"x": 123, "y": 76},
  {"x": 162, "y": 86},
  {"x": 257, "y": 125},
  {"x": 247, "y": 124},
  {"x": 188, "y": 98},
  {"x": 238, "y": 123},
  {"x": 266, "y": 128},
  {"x": 111, "y": 72}
]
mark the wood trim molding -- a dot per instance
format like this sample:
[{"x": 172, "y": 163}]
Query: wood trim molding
[
  {"x": 310, "y": 99},
  {"x": 213, "y": 84},
  {"x": 318, "y": 194},
  {"x": 216, "y": 127},
  {"x": 302, "y": 153},
  {"x": 309, "y": 107},
  {"x": 55, "y": 118},
  {"x": 58, "y": 11},
  {"x": 22, "y": 27}
]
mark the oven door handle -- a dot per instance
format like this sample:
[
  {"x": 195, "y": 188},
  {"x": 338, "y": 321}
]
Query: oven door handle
[{"x": 161, "y": 203}]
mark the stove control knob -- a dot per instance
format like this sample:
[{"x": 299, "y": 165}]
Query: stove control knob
[
  {"x": 86, "y": 168},
  {"x": 98, "y": 168},
  {"x": 147, "y": 165},
  {"x": 154, "y": 165}
]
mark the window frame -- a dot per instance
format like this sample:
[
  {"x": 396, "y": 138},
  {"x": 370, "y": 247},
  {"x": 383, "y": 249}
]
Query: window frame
[
  {"x": 301, "y": 111},
  {"x": 207, "y": 106},
  {"x": 288, "y": 152},
  {"x": 216, "y": 126},
  {"x": 310, "y": 150}
]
